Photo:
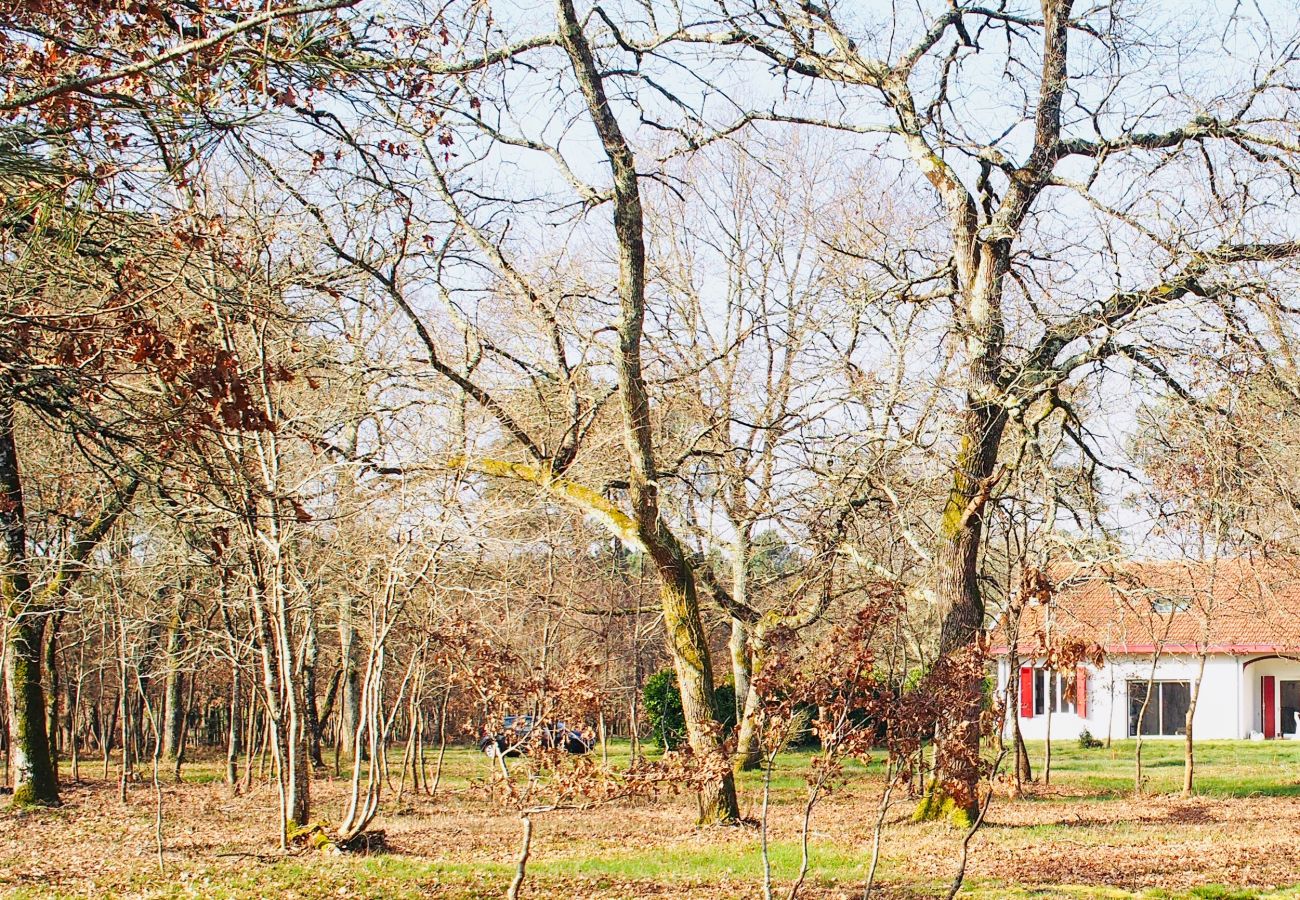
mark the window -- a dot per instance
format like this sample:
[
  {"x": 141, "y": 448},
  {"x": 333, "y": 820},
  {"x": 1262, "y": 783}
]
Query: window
[
  {"x": 1043, "y": 691},
  {"x": 1051, "y": 691},
  {"x": 1290, "y": 691},
  {"x": 1166, "y": 605},
  {"x": 1166, "y": 714}
]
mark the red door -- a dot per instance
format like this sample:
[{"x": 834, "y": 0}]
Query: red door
[
  {"x": 1026, "y": 692},
  {"x": 1270, "y": 706}
]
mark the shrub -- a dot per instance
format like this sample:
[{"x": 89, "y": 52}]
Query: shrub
[
  {"x": 663, "y": 707},
  {"x": 724, "y": 704},
  {"x": 1087, "y": 741}
]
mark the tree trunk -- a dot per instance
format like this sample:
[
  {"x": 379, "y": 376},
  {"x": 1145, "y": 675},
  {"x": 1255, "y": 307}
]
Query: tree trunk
[
  {"x": 955, "y": 793},
  {"x": 1024, "y": 771},
  {"x": 233, "y": 744},
  {"x": 1142, "y": 715},
  {"x": 748, "y": 753},
  {"x": 1110, "y": 725},
  {"x": 740, "y": 674},
  {"x": 184, "y": 736},
  {"x": 1189, "y": 753},
  {"x": 690, "y": 651},
  {"x": 350, "y": 708},
  {"x": 74, "y": 723},
  {"x": 1047, "y": 734},
  {"x": 311, "y": 712},
  {"x": 1023, "y": 766},
  {"x": 287, "y": 738},
  {"x": 982, "y": 267},
  {"x": 54, "y": 697},
  {"x": 124, "y": 704},
  {"x": 35, "y": 780},
  {"x": 234, "y": 737},
  {"x": 174, "y": 683},
  {"x": 687, "y": 641}
]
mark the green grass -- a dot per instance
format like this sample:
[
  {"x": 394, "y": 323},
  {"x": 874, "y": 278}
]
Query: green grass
[
  {"x": 1223, "y": 768},
  {"x": 828, "y": 862},
  {"x": 981, "y": 891}
]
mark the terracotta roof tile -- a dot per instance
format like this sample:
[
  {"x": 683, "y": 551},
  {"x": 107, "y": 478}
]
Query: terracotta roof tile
[{"x": 1228, "y": 606}]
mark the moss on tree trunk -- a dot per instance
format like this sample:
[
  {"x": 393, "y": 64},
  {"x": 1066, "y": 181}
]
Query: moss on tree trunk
[
  {"x": 956, "y": 584},
  {"x": 690, "y": 651},
  {"x": 35, "y": 783}
]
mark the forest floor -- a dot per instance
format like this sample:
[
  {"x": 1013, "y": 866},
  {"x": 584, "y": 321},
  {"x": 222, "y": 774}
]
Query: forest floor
[{"x": 1087, "y": 835}]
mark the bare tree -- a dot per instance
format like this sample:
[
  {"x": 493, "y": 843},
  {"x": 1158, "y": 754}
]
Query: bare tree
[{"x": 1079, "y": 140}]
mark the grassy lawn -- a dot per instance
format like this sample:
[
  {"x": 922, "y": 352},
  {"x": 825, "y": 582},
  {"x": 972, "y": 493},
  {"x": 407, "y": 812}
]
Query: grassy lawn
[
  {"x": 1085, "y": 835},
  {"x": 1223, "y": 768}
]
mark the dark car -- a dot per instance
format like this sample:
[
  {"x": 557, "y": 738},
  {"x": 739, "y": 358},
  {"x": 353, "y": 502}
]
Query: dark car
[
  {"x": 571, "y": 740},
  {"x": 518, "y": 731},
  {"x": 511, "y": 739}
]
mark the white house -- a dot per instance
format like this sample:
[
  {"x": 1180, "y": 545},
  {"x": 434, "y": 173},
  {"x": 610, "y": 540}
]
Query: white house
[{"x": 1243, "y": 617}]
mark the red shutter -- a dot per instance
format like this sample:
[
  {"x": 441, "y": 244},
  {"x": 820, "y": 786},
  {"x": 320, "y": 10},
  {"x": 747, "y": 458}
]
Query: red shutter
[
  {"x": 1270, "y": 707},
  {"x": 1081, "y": 692},
  {"x": 1026, "y": 693}
]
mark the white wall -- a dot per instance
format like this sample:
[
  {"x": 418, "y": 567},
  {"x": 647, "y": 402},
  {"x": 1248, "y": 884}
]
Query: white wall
[
  {"x": 1219, "y": 710},
  {"x": 1252, "y": 717}
]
